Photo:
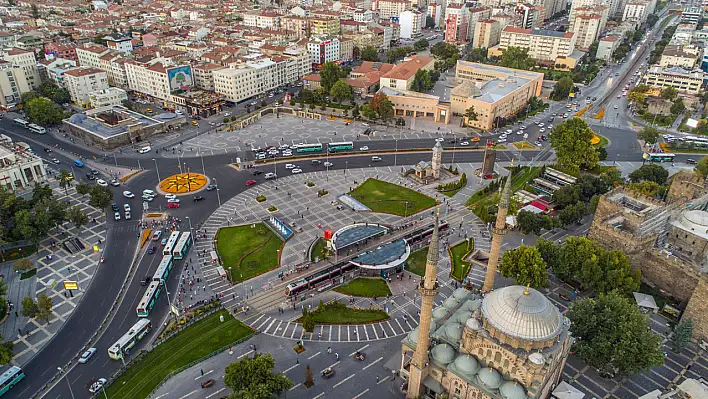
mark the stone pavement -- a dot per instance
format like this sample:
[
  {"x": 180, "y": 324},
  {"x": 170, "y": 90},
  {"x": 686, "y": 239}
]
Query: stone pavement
[{"x": 63, "y": 266}]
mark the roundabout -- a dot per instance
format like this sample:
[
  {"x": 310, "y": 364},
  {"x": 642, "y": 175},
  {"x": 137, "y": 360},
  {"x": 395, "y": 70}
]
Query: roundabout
[{"x": 183, "y": 183}]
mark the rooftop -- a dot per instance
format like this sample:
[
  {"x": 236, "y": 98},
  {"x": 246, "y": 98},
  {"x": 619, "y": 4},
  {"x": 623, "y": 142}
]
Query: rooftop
[
  {"x": 385, "y": 256},
  {"x": 112, "y": 121}
]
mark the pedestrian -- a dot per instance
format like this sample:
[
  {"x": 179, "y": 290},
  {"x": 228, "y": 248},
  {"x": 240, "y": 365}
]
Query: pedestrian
[
  {"x": 337, "y": 355},
  {"x": 329, "y": 348},
  {"x": 297, "y": 360},
  {"x": 201, "y": 371},
  {"x": 377, "y": 379}
]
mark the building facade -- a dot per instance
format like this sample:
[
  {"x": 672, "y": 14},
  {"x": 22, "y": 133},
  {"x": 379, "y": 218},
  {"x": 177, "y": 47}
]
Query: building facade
[
  {"x": 19, "y": 168},
  {"x": 487, "y": 33},
  {"x": 688, "y": 82},
  {"x": 411, "y": 23},
  {"x": 542, "y": 44},
  {"x": 82, "y": 81},
  {"x": 323, "y": 50}
]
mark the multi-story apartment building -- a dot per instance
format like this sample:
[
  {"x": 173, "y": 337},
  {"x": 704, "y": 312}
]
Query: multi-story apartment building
[
  {"x": 476, "y": 14},
  {"x": 252, "y": 78},
  {"x": 26, "y": 61},
  {"x": 496, "y": 93},
  {"x": 606, "y": 47},
  {"x": 122, "y": 44},
  {"x": 542, "y": 44},
  {"x": 436, "y": 11},
  {"x": 411, "y": 23},
  {"x": 323, "y": 50},
  {"x": 299, "y": 25},
  {"x": 66, "y": 51},
  {"x": 587, "y": 28},
  {"x": 82, "y": 81},
  {"x": 365, "y": 15},
  {"x": 602, "y": 10},
  {"x": 636, "y": 11},
  {"x": 346, "y": 49},
  {"x": 13, "y": 82},
  {"x": 675, "y": 56},
  {"x": 456, "y": 23},
  {"x": 19, "y": 167},
  {"x": 110, "y": 97},
  {"x": 692, "y": 15},
  {"x": 401, "y": 76},
  {"x": 390, "y": 8},
  {"x": 262, "y": 19},
  {"x": 53, "y": 70},
  {"x": 689, "y": 82},
  {"x": 531, "y": 16},
  {"x": 324, "y": 26},
  {"x": 204, "y": 75},
  {"x": 486, "y": 33},
  {"x": 158, "y": 78},
  {"x": 90, "y": 55}
]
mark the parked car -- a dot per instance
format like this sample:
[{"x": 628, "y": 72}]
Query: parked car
[
  {"x": 269, "y": 176},
  {"x": 116, "y": 216},
  {"x": 198, "y": 198},
  {"x": 114, "y": 207},
  {"x": 170, "y": 196},
  {"x": 691, "y": 161},
  {"x": 86, "y": 356}
]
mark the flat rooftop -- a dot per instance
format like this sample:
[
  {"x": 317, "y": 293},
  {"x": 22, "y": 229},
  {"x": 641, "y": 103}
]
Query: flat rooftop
[
  {"x": 385, "y": 256},
  {"x": 350, "y": 235},
  {"x": 112, "y": 121}
]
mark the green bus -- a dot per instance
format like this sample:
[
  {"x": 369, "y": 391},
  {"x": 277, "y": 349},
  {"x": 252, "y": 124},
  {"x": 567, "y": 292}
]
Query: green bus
[
  {"x": 309, "y": 148},
  {"x": 659, "y": 157},
  {"x": 343, "y": 146},
  {"x": 10, "y": 377}
]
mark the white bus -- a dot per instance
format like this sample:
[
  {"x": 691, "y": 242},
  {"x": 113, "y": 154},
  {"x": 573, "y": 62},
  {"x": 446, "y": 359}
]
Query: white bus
[
  {"x": 37, "y": 129},
  {"x": 21, "y": 122},
  {"x": 149, "y": 298},
  {"x": 183, "y": 245},
  {"x": 132, "y": 337},
  {"x": 167, "y": 250}
]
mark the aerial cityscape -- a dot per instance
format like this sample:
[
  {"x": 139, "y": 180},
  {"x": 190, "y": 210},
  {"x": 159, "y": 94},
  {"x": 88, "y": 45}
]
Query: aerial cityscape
[{"x": 319, "y": 199}]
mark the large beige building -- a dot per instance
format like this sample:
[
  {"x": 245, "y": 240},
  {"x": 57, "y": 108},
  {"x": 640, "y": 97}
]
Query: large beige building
[
  {"x": 81, "y": 82},
  {"x": 543, "y": 44},
  {"x": 495, "y": 93},
  {"x": 676, "y": 56},
  {"x": 90, "y": 55},
  {"x": 390, "y": 8},
  {"x": 487, "y": 33},
  {"x": 588, "y": 23},
  {"x": 684, "y": 81}
]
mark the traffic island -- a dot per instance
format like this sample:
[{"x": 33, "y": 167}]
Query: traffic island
[
  {"x": 183, "y": 183},
  {"x": 384, "y": 197},
  {"x": 248, "y": 251},
  {"x": 365, "y": 287},
  {"x": 458, "y": 253},
  {"x": 339, "y": 313},
  {"x": 416, "y": 261}
]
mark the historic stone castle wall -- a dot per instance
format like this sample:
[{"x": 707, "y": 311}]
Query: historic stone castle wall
[
  {"x": 668, "y": 273},
  {"x": 685, "y": 186},
  {"x": 697, "y": 310}
]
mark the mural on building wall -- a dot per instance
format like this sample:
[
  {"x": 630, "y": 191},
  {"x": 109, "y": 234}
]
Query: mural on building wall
[{"x": 180, "y": 77}]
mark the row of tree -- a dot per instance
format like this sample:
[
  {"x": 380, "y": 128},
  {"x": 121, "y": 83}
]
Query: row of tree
[
  {"x": 380, "y": 107},
  {"x": 462, "y": 182},
  {"x": 42, "y": 106}
]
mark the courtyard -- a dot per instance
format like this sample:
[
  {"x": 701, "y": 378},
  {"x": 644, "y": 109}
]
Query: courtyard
[{"x": 384, "y": 197}]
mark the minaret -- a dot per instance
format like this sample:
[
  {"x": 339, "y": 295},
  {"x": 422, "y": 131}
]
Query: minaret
[
  {"x": 498, "y": 232},
  {"x": 437, "y": 160},
  {"x": 428, "y": 289}
]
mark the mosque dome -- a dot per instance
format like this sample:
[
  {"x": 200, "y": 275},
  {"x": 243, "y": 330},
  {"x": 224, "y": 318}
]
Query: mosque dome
[
  {"x": 453, "y": 331},
  {"x": 537, "y": 358},
  {"x": 471, "y": 305},
  {"x": 460, "y": 293},
  {"x": 461, "y": 316},
  {"x": 413, "y": 335},
  {"x": 440, "y": 313},
  {"x": 467, "y": 364},
  {"x": 695, "y": 220},
  {"x": 473, "y": 324},
  {"x": 443, "y": 354},
  {"x": 490, "y": 378},
  {"x": 451, "y": 303},
  {"x": 522, "y": 313},
  {"x": 512, "y": 390}
]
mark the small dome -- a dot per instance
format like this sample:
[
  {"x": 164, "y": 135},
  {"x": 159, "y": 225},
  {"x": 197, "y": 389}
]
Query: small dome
[
  {"x": 461, "y": 316},
  {"x": 451, "y": 303},
  {"x": 453, "y": 331},
  {"x": 467, "y": 364},
  {"x": 413, "y": 335},
  {"x": 443, "y": 354},
  {"x": 440, "y": 313},
  {"x": 536, "y": 358},
  {"x": 512, "y": 390},
  {"x": 473, "y": 324},
  {"x": 471, "y": 305},
  {"x": 490, "y": 378},
  {"x": 460, "y": 293}
]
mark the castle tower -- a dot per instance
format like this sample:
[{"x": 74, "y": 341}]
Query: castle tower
[
  {"x": 437, "y": 159},
  {"x": 498, "y": 232},
  {"x": 428, "y": 289}
]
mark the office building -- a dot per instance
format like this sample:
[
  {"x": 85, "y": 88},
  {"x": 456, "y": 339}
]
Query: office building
[
  {"x": 688, "y": 82},
  {"x": 323, "y": 50}
]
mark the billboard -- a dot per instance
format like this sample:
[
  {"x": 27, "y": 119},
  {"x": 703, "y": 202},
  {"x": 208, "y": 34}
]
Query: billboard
[{"x": 180, "y": 77}]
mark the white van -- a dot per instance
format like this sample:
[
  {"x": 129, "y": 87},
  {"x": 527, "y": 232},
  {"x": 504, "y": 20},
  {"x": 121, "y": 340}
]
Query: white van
[
  {"x": 149, "y": 193},
  {"x": 144, "y": 150}
]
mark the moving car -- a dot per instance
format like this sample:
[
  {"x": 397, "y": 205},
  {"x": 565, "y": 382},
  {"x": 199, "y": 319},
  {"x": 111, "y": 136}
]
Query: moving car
[
  {"x": 55, "y": 161},
  {"x": 315, "y": 162},
  {"x": 296, "y": 170},
  {"x": 328, "y": 164},
  {"x": 173, "y": 201},
  {"x": 328, "y": 373},
  {"x": 89, "y": 176},
  {"x": 257, "y": 172},
  {"x": 465, "y": 143},
  {"x": 439, "y": 139},
  {"x": 375, "y": 159},
  {"x": 170, "y": 196},
  {"x": 144, "y": 150},
  {"x": 152, "y": 250},
  {"x": 207, "y": 383},
  {"x": 290, "y": 166},
  {"x": 173, "y": 205},
  {"x": 98, "y": 385},
  {"x": 250, "y": 182},
  {"x": 269, "y": 176},
  {"x": 691, "y": 161},
  {"x": 364, "y": 148},
  {"x": 102, "y": 183},
  {"x": 116, "y": 216},
  {"x": 87, "y": 355},
  {"x": 198, "y": 198},
  {"x": 156, "y": 235},
  {"x": 211, "y": 187},
  {"x": 115, "y": 183},
  {"x": 148, "y": 198}
]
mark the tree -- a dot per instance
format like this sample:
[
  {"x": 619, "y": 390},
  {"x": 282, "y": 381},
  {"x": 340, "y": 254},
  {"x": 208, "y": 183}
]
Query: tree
[
  {"x": 382, "y": 106},
  {"x": 702, "y": 166},
  {"x": 669, "y": 93},
  {"x": 421, "y": 45},
  {"x": 309, "y": 380},
  {"x": 367, "y": 112},
  {"x": 6, "y": 351},
  {"x": 29, "y": 96},
  {"x": 101, "y": 197},
  {"x": 429, "y": 22},
  {"x": 571, "y": 140},
  {"x": 677, "y": 107},
  {"x": 681, "y": 336},
  {"x": 77, "y": 217},
  {"x": 651, "y": 172},
  {"x": 638, "y": 93},
  {"x": 254, "y": 378},
  {"x": 35, "y": 11},
  {"x": 562, "y": 89},
  {"x": 61, "y": 96},
  {"x": 44, "y": 307},
  {"x": 422, "y": 81},
  {"x": 23, "y": 265},
  {"x": 649, "y": 134},
  {"x": 341, "y": 91},
  {"x": 530, "y": 222},
  {"x": 517, "y": 58},
  {"x": 43, "y": 111},
  {"x": 525, "y": 265},
  {"x": 397, "y": 53},
  {"x": 601, "y": 153},
  {"x": 617, "y": 273},
  {"x": 645, "y": 187},
  {"x": 444, "y": 50},
  {"x": 572, "y": 214},
  {"x": 83, "y": 188},
  {"x": 329, "y": 75},
  {"x": 29, "y": 307},
  {"x": 470, "y": 114},
  {"x": 651, "y": 20},
  {"x": 613, "y": 336},
  {"x": 478, "y": 54},
  {"x": 369, "y": 53}
]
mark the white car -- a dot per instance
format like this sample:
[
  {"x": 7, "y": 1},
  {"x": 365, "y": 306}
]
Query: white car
[
  {"x": 287, "y": 153},
  {"x": 116, "y": 216},
  {"x": 55, "y": 161},
  {"x": 173, "y": 200},
  {"x": 540, "y": 124},
  {"x": 439, "y": 139},
  {"x": 328, "y": 164},
  {"x": 98, "y": 385},
  {"x": 115, "y": 183},
  {"x": 283, "y": 147},
  {"x": 102, "y": 183},
  {"x": 144, "y": 150},
  {"x": 127, "y": 216},
  {"x": 128, "y": 194},
  {"x": 126, "y": 207},
  {"x": 364, "y": 148},
  {"x": 290, "y": 166},
  {"x": 542, "y": 130},
  {"x": 87, "y": 355},
  {"x": 170, "y": 196},
  {"x": 148, "y": 198},
  {"x": 178, "y": 112},
  {"x": 520, "y": 132},
  {"x": 501, "y": 141},
  {"x": 550, "y": 127},
  {"x": 296, "y": 170},
  {"x": 227, "y": 113},
  {"x": 465, "y": 143}
]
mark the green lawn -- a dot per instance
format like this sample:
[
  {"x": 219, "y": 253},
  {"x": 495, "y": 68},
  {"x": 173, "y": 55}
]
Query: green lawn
[
  {"x": 416, "y": 261},
  {"x": 317, "y": 249},
  {"x": 346, "y": 315},
  {"x": 460, "y": 268},
  {"x": 480, "y": 200},
  {"x": 603, "y": 142},
  {"x": 391, "y": 198},
  {"x": 366, "y": 287},
  {"x": 249, "y": 252},
  {"x": 191, "y": 344}
]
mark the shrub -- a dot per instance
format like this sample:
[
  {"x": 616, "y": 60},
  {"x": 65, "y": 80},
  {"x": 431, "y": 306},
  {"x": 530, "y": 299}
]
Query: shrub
[
  {"x": 260, "y": 198},
  {"x": 272, "y": 208}
]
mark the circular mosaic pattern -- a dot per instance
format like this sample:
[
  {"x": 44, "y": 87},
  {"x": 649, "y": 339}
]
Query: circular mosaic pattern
[
  {"x": 595, "y": 139},
  {"x": 183, "y": 183}
]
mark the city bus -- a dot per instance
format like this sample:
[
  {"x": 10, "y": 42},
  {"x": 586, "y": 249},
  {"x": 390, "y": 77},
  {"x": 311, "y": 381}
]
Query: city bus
[
  {"x": 132, "y": 337},
  {"x": 659, "y": 157},
  {"x": 343, "y": 146},
  {"x": 37, "y": 129},
  {"x": 309, "y": 148},
  {"x": 9, "y": 378},
  {"x": 163, "y": 269},
  {"x": 21, "y": 122},
  {"x": 183, "y": 245},
  {"x": 148, "y": 302},
  {"x": 169, "y": 246}
]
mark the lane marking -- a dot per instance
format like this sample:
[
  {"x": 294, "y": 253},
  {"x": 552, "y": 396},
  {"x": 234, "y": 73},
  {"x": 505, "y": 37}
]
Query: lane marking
[
  {"x": 330, "y": 366},
  {"x": 286, "y": 370},
  {"x": 209, "y": 396},
  {"x": 361, "y": 394},
  {"x": 188, "y": 394},
  {"x": 372, "y": 363},
  {"x": 384, "y": 379},
  {"x": 200, "y": 376},
  {"x": 343, "y": 381},
  {"x": 319, "y": 396},
  {"x": 245, "y": 354},
  {"x": 295, "y": 386},
  {"x": 359, "y": 350},
  {"x": 313, "y": 355}
]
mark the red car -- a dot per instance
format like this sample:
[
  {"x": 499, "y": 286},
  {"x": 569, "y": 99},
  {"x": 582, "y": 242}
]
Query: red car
[
  {"x": 173, "y": 205},
  {"x": 250, "y": 182}
]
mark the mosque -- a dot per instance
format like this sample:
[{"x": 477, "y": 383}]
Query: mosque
[{"x": 510, "y": 343}]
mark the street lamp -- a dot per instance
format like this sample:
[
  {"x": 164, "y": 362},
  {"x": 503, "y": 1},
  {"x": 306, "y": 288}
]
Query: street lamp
[
  {"x": 190, "y": 223},
  {"x": 395, "y": 154},
  {"x": 158, "y": 170},
  {"x": 67, "y": 383},
  {"x": 202, "y": 157},
  {"x": 218, "y": 197}
]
